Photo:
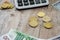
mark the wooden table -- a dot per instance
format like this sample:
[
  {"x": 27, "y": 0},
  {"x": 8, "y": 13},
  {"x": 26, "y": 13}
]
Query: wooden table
[{"x": 13, "y": 18}]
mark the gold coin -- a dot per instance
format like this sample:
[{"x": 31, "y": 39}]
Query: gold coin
[
  {"x": 3, "y": 5},
  {"x": 46, "y": 19},
  {"x": 33, "y": 21},
  {"x": 48, "y": 25},
  {"x": 33, "y": 18},
  {"x": 11, "y": 5},
  {"x": 41, "y": 14},
  {"x": 33, "y": 24}
]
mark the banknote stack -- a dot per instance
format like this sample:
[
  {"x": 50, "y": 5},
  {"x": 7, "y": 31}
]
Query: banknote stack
[{"x": 15, "y": 35}]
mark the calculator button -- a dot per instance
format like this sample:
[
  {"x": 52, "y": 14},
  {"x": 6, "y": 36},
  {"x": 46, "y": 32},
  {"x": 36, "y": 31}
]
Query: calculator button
[
  {"x": 19, "y": 1},
  {"x": 25, "y": 0},
  {"x": 20, "y": 4},
  {"x": 43, "y": 1},
  {"x": 31, "y": 2},
  {"x": 37, "y": 1},
  {"x": 26, "y": 3}
]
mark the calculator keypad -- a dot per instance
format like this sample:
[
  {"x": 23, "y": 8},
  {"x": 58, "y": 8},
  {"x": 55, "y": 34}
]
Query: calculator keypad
[{"x": 30, "y": 3}]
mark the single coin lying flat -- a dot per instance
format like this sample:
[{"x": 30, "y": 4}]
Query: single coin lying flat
[
  {"x": 33, "y": 24},
  {"x": 48, "y": 25},
  {"x": 46, "y": 19},
  {"x": 41, "y": 14},
  {"x": 33, "y": 18}
]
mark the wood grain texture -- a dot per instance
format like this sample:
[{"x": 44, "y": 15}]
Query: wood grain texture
[{"x": 13, "y": 18}]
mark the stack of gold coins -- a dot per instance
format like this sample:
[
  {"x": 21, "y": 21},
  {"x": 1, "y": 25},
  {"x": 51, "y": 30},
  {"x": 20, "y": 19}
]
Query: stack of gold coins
[
  {"x": 33, "y": 21},
  {"x": 6, "y": 5},
  {"x": 48, "y": 24}
]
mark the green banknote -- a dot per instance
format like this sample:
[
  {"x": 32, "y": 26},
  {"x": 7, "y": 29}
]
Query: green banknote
[{"x": 16, "y": 35}]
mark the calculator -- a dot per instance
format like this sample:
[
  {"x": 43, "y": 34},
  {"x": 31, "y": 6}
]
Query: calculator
[{"x": 23, "y": 4}]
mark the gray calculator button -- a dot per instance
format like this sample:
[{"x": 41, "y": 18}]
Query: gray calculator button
[
  {"x": 25, "y": 0},
  {"x": 31, "y": 2},
  {"x": 19, "y": 1},
  {"x": 20, "y": 4},
  {"x": 37, "y": 1},
  {"x": 26, "y": 3}
]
